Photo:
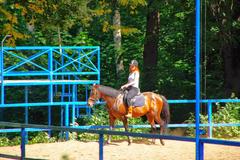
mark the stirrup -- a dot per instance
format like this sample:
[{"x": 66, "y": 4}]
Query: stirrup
[{"x": 129, "y": 115}]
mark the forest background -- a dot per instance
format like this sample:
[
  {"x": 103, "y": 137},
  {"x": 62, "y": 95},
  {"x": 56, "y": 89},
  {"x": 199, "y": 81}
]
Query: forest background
[{"x": 160, "y": 35}]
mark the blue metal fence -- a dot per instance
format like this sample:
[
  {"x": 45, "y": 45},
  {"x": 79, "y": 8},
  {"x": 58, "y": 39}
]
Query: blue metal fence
[
  {"x": 63, "y": 71},
  {"x": 210, "y": 123},
  {"x": 105, "y": 132},
  {"x": 209, "y": 103}
]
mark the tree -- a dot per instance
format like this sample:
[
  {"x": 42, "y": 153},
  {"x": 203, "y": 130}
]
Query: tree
[
  {"x": 226, "y": 16},
  {"x": 151, "y": 46},
  {"x": 11, "y": 20},
  {"x": 60, "y": 16},
  {"x": 110, "y": 13}
]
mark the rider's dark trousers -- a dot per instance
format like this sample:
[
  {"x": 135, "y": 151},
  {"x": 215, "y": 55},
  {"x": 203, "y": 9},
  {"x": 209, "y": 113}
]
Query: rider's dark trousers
[{"x": 132, "y": 91}]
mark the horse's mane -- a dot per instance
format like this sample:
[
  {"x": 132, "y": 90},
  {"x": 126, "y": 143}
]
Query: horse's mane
[{"x": 109, "y": 91}]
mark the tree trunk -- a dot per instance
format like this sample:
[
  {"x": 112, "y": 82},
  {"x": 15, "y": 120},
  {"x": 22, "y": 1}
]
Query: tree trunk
[
  {"x": 230, "y": 53},
  {"x": 225, "y": 13},
  {"x": 117, "y": 37},
  {"x": 150, "y": 52},
  {"x": 231, "y": 58},
  {"x": 59, "y": 40}
]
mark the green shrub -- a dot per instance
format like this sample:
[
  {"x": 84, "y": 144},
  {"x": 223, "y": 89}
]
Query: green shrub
[
  {"x": 190, "y": 131},
  {"x": 71, "y": 136},
  {"x": 230, "y": 113},
  {"x": 4, "y": 141},
  {"x": 15, "y": 141},
  {"x": 42, "y": 137}
]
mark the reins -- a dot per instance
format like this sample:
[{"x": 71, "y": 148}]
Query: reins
[{"x": 94, "y": 99}]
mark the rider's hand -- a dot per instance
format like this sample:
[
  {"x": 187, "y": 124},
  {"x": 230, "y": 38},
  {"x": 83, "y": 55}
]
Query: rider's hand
[{"x": 122, "y": 87}]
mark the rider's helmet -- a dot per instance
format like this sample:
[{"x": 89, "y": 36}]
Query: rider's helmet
[{"x": 134, "y": 62}]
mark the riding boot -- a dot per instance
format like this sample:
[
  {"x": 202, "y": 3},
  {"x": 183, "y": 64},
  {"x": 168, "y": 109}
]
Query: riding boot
[{"x": 129, "y": 115}]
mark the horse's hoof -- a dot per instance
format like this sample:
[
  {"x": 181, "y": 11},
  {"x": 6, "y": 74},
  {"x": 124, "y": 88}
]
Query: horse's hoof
[
  {"x": 153, "y": 141},
  {"x": 107, "y": 143},
  {"x": 129, "y": 141},
  {"x": 162, "y": 142}
]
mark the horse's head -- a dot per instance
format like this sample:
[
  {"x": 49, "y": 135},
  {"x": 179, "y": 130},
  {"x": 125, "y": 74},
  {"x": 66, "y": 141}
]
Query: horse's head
[{"x": 94, "y": 95}]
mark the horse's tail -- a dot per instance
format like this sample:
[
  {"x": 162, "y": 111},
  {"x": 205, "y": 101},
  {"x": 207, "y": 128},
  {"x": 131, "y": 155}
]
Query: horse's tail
[{"x": 165, "y": 114}]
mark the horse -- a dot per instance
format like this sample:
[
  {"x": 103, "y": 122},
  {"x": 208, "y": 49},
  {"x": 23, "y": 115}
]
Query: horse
[{"x": 156, "y": 108}]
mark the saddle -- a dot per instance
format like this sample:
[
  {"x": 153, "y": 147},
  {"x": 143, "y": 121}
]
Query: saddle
[{"x": 136, "y": 101}]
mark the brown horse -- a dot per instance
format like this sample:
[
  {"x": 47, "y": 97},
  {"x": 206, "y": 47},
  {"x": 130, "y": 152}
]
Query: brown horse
[{"x": 155, "y": 105}]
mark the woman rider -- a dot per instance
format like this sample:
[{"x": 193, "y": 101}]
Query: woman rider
[{"x": 132, "y": 85}]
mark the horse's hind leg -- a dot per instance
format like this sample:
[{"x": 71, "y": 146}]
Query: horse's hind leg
[
  {"x": 162, "y": 127},
  {"x": 153, "y": 126}
]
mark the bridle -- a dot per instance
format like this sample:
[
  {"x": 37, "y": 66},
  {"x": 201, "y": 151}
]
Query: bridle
[
  {"x": 92, "y": 99},
  {"x": 95, "y": 95}
]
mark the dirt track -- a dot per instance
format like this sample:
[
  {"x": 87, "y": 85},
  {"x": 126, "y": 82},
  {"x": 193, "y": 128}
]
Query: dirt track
[{"x": 75, "y": 150}]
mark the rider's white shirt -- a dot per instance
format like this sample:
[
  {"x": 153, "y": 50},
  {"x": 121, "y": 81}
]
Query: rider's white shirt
[{"x": 133, "y": 78}]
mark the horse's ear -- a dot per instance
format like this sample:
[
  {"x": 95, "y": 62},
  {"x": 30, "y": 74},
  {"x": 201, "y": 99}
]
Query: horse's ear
[{"x": 95, "y": 85}]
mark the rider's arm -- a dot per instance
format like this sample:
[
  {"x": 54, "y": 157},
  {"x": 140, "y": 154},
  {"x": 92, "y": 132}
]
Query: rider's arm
[{"x": 132, "y": 81}]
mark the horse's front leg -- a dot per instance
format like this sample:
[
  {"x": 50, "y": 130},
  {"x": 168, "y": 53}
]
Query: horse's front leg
[
  {"x": 125, "y": 124},
  {"x": 111, "y": 122}
]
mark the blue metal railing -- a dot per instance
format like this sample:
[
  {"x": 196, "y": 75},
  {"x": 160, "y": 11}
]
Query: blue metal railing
[
  {"x": 209, "y": 103},
  {"x": 80, "y": 64},
  {"x": 48, "y": 66},
  {"x": 210, "y": 124},
  {"x": 53, "y": 55},
  {"x": 101, "y": 133}
]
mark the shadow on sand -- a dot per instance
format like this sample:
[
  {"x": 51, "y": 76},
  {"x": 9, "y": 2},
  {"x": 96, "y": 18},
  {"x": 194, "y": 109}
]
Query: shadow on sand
[{"x": 17, "y": 157}]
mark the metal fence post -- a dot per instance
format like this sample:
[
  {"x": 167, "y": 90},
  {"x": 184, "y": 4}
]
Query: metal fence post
[
  {"x": 50, "y": 87},
  {"x": 67, "y": 120},
  {"x": 201, "y": 150},
  {"x": 197, "y": 71},
  {"x": 101, "y": 141},
  {"x": 23, "y": 136},
  {"x": 209, "y": 105}
]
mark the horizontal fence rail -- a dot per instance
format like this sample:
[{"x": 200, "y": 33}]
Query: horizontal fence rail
[
  {"x": 44, "y": 104},
  {"x": 210, "y": 124},
  {"x": 209, "y": 103},
  {"x": 68, "y": 105},
  {"x": 107, "y": 132},
  {"x": 62, "y": 74},
  {"x": 169, "y": 126},
  {"x": 55, "y": 68}
]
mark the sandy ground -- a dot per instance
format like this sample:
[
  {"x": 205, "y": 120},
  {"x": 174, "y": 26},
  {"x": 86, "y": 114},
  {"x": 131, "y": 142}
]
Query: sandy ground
[{"x": 142, "y": 150}]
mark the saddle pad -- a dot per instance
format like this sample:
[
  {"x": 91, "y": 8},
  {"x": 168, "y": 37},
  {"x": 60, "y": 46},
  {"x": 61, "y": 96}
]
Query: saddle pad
[{"x": 138, "y": 100}]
